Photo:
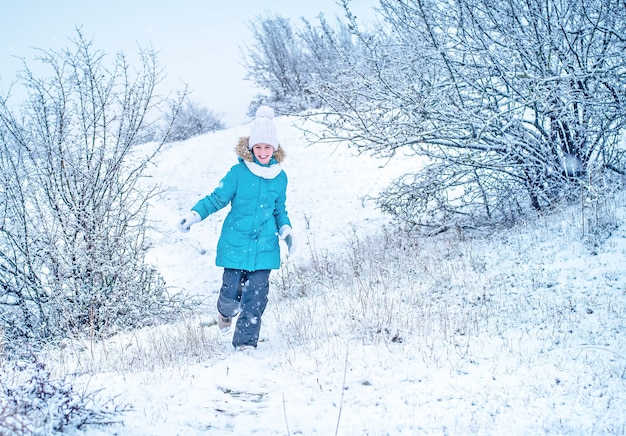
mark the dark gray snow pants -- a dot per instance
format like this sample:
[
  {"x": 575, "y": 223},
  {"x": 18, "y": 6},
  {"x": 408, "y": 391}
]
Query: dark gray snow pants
[{"x": 244, "y": 293}]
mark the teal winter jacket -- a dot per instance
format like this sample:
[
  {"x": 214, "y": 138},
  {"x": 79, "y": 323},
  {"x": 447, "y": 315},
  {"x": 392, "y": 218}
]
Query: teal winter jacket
[{"x": 257, "y": 195}]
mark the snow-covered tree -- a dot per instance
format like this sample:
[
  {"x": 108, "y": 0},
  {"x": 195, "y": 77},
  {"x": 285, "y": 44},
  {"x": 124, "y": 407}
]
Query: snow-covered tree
[
  {"x": 290, "y": 62},
  {"x": 512, "y": 103},
  {"x": 73, "y": 209}
]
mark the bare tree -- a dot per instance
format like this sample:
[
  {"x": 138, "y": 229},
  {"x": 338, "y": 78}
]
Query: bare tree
[
  {"x": 273, "y": 60},
  {"x": 73, "y": 219},
  {"x": 291, "y": 62},
  {"x": 512, "y": 103}
]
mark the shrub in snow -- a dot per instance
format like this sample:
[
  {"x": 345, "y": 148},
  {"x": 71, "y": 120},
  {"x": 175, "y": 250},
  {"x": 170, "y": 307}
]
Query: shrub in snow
[
  {"x": 190, "y": 120},
  {"x": 74, "y": 217},
  {"x": 31, "y": 402}
]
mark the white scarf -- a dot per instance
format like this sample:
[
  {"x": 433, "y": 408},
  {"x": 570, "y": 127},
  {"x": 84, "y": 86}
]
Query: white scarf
[{"x": 263, "y": 171}]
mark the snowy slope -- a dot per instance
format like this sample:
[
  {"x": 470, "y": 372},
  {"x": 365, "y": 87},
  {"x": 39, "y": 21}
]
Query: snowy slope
[{"x": 538, "y": 346}]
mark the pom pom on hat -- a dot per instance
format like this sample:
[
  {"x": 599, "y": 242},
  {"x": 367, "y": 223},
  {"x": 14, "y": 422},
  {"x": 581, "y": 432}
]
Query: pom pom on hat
[
  {"x": 263, "y": 130},
  {"x": 265, "y": 112}
]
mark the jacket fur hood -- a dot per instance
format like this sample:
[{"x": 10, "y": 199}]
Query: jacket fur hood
[{"x": 245, "y": 154}]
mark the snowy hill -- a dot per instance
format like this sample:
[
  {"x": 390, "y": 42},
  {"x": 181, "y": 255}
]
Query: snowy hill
[{"x": 520, "y": 333}]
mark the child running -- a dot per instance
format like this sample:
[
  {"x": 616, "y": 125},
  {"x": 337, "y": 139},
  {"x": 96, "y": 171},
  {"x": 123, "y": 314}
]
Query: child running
[{"x": 248, "y": 245}]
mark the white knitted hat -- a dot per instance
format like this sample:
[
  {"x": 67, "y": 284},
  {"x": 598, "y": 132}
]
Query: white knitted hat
[{"x": 263, "y": 130}]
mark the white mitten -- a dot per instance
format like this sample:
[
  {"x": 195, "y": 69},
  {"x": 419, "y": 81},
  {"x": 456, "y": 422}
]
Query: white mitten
[
  {"x": 187, "y": 221},
  {"x": 286, "y": 234}
]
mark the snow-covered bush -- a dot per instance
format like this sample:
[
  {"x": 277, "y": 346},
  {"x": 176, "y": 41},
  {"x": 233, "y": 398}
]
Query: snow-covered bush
[
  {"x": 73, "y": 217},
  {"x": 32, "y": 402},
  {"x": 191, "y": 120}
]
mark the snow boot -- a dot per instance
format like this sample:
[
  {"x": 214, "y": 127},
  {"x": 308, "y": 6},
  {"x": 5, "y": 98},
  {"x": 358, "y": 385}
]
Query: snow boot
[
  {"x": 246, "y": 349},
  {"x": 224, "y": 322}
]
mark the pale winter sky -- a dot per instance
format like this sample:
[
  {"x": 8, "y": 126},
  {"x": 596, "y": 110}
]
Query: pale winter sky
[{"x": 198, "y": 41}]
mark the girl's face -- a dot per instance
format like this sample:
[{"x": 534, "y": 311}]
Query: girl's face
[{"x": 263, "y": 153}]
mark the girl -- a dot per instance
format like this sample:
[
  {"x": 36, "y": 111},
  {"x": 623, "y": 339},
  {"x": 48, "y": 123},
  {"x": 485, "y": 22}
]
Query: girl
[{"x": 248, "y": 246}]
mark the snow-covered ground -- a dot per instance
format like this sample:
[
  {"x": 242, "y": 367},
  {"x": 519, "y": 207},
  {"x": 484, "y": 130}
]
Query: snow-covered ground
[{"x": 520, "y": 333}]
